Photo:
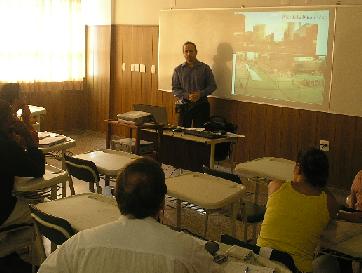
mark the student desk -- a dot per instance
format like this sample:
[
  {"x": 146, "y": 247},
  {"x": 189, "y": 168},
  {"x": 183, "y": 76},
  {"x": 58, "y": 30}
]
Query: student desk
[
  {"x": 137, "y": 128},
  {"x": 59, "y": 147},
  {"x": 29, "y": 187},
  {"x": 343, "y": 239},
  {"x": 108, "y": 162},
  {"x": 206, "y": 191},
  {"x": 83, "y": 211},
  {"x": 262, "y": 170},
  {"x": 36, "y": 113}
]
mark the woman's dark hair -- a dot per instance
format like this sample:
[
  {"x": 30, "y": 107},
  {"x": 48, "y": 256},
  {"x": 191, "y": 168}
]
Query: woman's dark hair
[
  {"x": 314, "y": 166},
  {"x": 5, "y": 112},
  {"x": 141, "y": 188},
  {"x": 10, "y": 92}
]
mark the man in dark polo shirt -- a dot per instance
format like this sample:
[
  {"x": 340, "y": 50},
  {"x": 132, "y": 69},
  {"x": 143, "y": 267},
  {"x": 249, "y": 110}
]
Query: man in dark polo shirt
[{"x": 192, "y": 82}]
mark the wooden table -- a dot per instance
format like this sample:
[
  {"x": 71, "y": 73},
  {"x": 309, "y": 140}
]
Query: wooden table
[
  {"x": 228, "y": 138},
  {"x": 206, "y": 191},
  {"x": 137, "y": 128}
]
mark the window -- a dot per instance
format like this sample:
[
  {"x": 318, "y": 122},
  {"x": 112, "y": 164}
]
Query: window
[{"x": 41, "y": 41}]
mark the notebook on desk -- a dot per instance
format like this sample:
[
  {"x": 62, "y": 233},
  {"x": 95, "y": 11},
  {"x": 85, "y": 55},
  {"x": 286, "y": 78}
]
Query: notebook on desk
[{"x": 51, "y": 140}]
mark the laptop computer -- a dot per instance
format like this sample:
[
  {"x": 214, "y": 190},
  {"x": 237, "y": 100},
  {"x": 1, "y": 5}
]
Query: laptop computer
[{"x": 158, "y": 112}]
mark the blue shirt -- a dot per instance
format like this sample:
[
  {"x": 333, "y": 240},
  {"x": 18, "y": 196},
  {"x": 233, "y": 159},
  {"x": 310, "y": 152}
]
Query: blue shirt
[{"x": 199, "y": 77}]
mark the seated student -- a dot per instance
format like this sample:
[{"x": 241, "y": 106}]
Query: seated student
[
  {"x": 355, "y": 198},
  {"x": 19, "y": 156},
  {"x": 10, "y": 93},
  {"x": 136, "y": 242},
  {"x": 299, "y": 210}
]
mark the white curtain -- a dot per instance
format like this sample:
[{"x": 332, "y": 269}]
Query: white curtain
[{"x": 41, "y": 41}]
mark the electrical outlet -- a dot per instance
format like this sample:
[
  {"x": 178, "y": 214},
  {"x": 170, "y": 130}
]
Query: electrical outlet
[{"x": 324, "y": 145}]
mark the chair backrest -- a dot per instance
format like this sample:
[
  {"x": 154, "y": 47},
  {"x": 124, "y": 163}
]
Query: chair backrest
[
  {"x": 82, "y": 169},
  {"x": 56, "y": 229},
  {"x": 158, "y": 112},
  {"x": 228, "y": 176}
]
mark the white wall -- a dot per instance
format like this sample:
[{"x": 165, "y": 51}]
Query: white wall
[
  {"x": 97, "y": 12},
  {"x": 146, "y": 12}
]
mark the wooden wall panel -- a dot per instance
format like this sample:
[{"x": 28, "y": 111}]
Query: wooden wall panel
[
  {"x": 269, "y": 130},
  {"x": 66, "y": 109},
  {"x": 98, "y": 75}
]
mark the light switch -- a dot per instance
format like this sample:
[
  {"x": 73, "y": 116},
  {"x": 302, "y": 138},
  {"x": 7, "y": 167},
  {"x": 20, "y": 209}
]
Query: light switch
[{"x": 153, "y": 69}]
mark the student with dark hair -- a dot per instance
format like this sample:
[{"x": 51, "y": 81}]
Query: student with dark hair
[
  {"x": 192, "y": 82},
  {"x": 10, "y": 92},
  {"x": 136, "y": 242},
  {"x": 299, "y": 210},
  {"x": 19, "y": 156}
]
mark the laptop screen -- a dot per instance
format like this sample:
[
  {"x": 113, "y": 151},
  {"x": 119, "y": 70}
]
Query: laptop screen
[{"x": 158, "y": 112}]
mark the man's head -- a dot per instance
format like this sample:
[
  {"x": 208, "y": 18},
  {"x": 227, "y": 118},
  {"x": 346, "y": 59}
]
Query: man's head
[
  {"x": 10, "y": 92},
  {"x": 190, "y": 52},
  {"x": 313, "y": 165},
  {"x": 6, "y": 116},
  {"x": 141, "y": 189}
]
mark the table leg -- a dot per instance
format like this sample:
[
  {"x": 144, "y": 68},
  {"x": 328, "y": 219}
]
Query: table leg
[
  {"x": 108, "y": 135},
  {"x": 235, "y": 210},
  {"x": 137, "y": 141},
  {"x": 178, "y": 214},
  {"x": 212, "y": 155}
]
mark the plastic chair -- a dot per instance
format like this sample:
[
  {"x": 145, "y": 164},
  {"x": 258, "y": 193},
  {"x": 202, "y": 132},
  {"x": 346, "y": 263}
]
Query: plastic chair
[
  {"x": 84, "y": 170},
  {"x": 56, "y": 229},
  {"x": 250, "y": 213},
  {"x": 275, "y": 255}
]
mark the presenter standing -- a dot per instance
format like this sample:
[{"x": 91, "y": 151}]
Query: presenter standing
[{"x": 192, "y": 82}]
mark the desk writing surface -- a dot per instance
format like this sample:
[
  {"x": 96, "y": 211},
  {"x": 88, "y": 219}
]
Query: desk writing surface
[
  {"x": 84, "y": 210},
  {"x": 207, "y": 191},
  {"x": 226, "y": 138},
  {"x": 52, "y": 176},
  {"x": 269, "y": 167},
  {"x": 62, "y": 146},
  {"x": 109, "y": 162},
  {"x": 345, "y": 237}
]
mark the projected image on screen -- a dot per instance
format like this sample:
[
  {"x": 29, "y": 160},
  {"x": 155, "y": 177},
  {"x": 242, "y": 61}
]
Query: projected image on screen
[{"x": 282, "y": 55}]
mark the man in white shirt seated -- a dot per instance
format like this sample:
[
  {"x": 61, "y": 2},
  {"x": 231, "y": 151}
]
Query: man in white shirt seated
[{"x": 136, "y": 242}]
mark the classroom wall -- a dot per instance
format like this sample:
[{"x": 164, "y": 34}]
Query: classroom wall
[{"x": 269, "y": 130}]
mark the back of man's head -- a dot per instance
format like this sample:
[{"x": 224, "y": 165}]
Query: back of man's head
[{"x": 141, "y": 188}]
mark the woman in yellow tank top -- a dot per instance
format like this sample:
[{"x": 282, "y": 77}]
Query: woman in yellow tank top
[{"x": 298, "y": 211}]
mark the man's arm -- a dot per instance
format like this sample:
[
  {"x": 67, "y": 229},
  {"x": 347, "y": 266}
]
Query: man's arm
[
  {"x": 177, "y": 89},
  {"x": 210, "y": 83},
  {"x": 24, "y": 163}
]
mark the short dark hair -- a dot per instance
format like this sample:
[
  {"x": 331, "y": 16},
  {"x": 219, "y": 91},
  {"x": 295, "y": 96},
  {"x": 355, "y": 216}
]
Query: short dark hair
[
  {"x": 10, "y": 92},
  {"x": 5, "y": 112},
  {"x": 314, "y": 166},
  {"x": 188, "y": 43},
  {"x": 141, "y": 188}
]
